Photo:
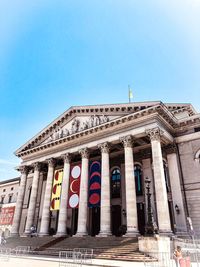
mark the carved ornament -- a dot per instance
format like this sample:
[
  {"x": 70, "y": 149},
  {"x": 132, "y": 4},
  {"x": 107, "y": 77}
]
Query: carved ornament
[
  {"x": 127, "y": 141},
  {"x": 37, "y": 166},
  {"x": 51, "y": 162},
  {"x": 66, "y": 158},
  {"x": 154, "y": 134},
  {"x": 104, "y": 147},
  {"x": 84, "y": 153}
]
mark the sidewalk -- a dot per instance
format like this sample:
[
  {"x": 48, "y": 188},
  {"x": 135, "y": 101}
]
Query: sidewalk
[{"x": 54, "y": 262}]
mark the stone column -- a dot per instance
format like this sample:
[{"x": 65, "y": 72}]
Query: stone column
[
  {"x": 83, "y": 196},
  {"x": 131, "y": 204},
  {"x": 159, "y": 179},
  {"x": 33, "y": 198},
  {"x": 62, "y": 219},
  {"x": 174, "y": 176},
  {"x": 20, "y": 199},
  {"x": 44, "y": 228},
  {"x": 105, "y": 213}
]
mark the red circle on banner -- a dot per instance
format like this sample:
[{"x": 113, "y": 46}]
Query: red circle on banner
[
  {"x": 74, "y": 186},
  {"x": 95, "y": 185},
  {"x": 94, "y": 198},
  {"x": 56, "y": 176},
  {"x": 54, "y": 189},
  {"x": 53, "y": 203}
]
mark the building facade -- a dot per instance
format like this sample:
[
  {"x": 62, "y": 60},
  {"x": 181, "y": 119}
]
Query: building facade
[
  {"x": 84, "y": 174},
  {"x": 8, "y": 198}
]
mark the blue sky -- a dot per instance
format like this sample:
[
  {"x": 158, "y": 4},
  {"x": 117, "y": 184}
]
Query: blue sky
[{"x": 57, "y": 54}]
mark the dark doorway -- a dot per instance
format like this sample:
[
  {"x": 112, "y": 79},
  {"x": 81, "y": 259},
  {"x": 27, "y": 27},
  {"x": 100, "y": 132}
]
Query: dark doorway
[
  {"x": 74, "y": 221},
  {"x": 94, "y": 221},
  {"x": 141, "y": 218},
  {"x": 171, "y": 215},
  {"x": 116, "y": 219}
]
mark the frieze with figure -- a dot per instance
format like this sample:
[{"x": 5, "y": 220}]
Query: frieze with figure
[{"x": 78, "y": 126}]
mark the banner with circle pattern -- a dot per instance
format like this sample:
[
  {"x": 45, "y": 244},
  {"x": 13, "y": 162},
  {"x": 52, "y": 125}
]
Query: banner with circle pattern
[
  {"x": 56, "y": 190},
  {"x": 94, "y": 194},
  {"x": 74, "y": 186}
]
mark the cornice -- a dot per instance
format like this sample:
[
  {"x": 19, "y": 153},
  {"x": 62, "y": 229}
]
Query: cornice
[{"x": 118, "y": 124}]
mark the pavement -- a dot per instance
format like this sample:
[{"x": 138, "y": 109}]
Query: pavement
[{"x": 30, "y": 261}]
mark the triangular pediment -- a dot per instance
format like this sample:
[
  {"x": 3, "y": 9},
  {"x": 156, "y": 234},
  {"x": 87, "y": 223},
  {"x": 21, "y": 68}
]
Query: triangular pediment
[{"x": 81, "y": 118}]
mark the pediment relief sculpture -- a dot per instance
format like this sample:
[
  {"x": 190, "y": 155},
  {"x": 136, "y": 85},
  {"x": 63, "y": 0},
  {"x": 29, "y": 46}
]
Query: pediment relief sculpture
[{"x": 77, "y": 126}]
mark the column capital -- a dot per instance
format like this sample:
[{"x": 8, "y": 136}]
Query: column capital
[
  {"x": 23, "y": 169},
  {"x": 51, "y": 162},
  {"x": 127, "y": 141},
  {"x": 154, "y": 134},
  {"x": 104, "y": 147},
  {"x": 84, "y": 153},
  {"x": 66, "y": 157},
  {"x": 171, "y": 148},
  {"x": 37, "y": 166}
]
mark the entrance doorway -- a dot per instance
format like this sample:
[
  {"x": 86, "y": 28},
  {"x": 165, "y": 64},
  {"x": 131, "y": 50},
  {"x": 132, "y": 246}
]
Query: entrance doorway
[
  {"x": 116, "y": 219},
  {"x": 94, "y": 215},
  {"x": 141, "y": 218},
  {"x": 74, "y": 221}
]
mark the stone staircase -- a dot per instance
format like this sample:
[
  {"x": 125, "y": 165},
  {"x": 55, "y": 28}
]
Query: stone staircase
[{"x": 113, "y": 248}]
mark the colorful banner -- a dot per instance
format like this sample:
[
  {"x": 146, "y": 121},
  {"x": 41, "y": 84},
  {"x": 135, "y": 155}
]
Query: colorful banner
[
  {"x": 6, "y": 215},
  {"x": 94, "y": 195},
  {"x": 56, "y": 190},
  {"x": 74, "y": 186}
]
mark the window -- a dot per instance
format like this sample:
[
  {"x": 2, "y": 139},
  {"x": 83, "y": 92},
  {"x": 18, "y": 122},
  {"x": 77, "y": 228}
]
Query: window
[
  {"x": 12, "y": 188},
  {"x": 197, "y": 129},
  {"x": 4, "y": 190},
  {"x": 10, "y": 199},
  {"x": 2, "y": 199},
  {"x": 29, "y": 196},
  {"x": 166, "y": 176},
  {"x": 138, "y": 180},
  {"x": 115, "y": 183}
]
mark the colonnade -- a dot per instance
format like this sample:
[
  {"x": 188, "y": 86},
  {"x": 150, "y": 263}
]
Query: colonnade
[{"x": 105, "y": 206}]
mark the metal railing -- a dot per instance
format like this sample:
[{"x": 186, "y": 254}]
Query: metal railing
[
  {"x": 70, "y": 258},
  {"x": 5, "y": 254},
  {"x": 22, "y": 250},
  {"x": 75, "y": 257}
]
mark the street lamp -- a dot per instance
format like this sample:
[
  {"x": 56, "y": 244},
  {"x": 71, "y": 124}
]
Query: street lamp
[{"x": 150, "y": 228}]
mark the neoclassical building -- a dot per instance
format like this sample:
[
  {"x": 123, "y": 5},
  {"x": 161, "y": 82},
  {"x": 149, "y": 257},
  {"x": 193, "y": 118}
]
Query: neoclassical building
[
  {"x": 84, "y": 174},
  {"x": 8, "y": 198}
]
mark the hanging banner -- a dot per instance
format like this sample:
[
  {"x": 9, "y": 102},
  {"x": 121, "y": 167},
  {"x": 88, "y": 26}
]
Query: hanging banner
[
  {"x": 56, "y": 190},
  {"x": 74, "y": 186},
  {"x": 6, "y": 215},
  {"x": 94, "y": 195}
]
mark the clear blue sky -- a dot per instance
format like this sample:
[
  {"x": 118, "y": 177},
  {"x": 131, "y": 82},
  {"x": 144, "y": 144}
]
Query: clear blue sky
[{"x": 57, "y": 54}]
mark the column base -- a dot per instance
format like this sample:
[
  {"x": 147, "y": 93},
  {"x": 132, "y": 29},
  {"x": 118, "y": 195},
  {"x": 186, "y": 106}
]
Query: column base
[
  {"x": 104, "y": 234},
  {"x": 166, "y": 233},
  {"x": 80, "y": 234},
  {"x": 14, "y": 234},
  {"x": 60, "y": 235},
  {"x": 132, "y": 234},
  {"x": 43, "y": 234}
]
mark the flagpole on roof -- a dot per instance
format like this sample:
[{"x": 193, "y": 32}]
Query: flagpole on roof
[{"x": 130, "y": 94}]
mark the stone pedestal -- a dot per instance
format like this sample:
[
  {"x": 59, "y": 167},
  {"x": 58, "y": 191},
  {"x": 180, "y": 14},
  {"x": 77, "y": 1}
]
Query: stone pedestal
[{"x": 157, "y": 247}]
